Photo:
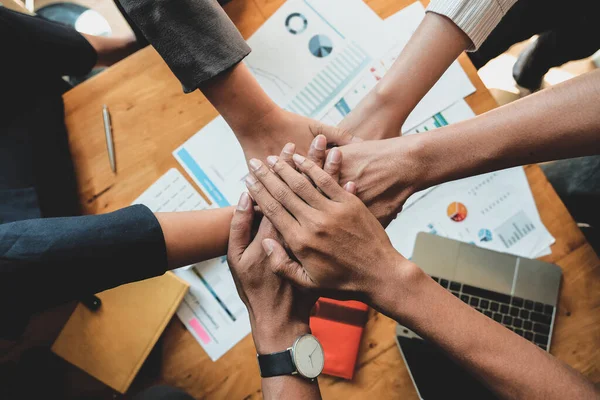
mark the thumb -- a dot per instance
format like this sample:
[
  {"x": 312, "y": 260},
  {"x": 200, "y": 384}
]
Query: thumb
[
  {"x": 350, "y": 187},
  {"x": 282, "y": 265},
  {"x": 240, "y": 232},
  {"x": 335, "y": 135}
]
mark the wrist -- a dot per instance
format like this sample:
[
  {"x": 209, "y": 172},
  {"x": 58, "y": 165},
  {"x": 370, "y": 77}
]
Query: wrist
[
  {"x": 240, "y": 100},
  {"x": 260, "y": 125},
  {"x": 393, "y": 99},
  {"x": 406, "y": 154},
  {"x": 390, "y": 109},
  {"x": 398, "y": 295},
  {"x": 271, "y": 337},
  {"x": 441, "y": 155}
]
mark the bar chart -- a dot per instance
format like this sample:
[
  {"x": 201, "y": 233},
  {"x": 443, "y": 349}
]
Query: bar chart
[
  {"x": 346, "y": 65},
  {"x": 514, "y": 229}
]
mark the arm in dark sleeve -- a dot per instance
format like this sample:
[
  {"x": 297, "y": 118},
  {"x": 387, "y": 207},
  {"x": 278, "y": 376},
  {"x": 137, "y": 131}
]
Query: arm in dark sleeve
[
  {"x": 32, "y": 45},
  {"x": 196, "y": 38},
  {"x": 45, "y": 262}
]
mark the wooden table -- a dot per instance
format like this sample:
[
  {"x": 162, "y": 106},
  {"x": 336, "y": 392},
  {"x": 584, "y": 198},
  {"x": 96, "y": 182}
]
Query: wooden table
[{"x": 151, "y": 117}]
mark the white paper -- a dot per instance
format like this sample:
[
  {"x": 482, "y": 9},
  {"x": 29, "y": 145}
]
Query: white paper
[
  {"x": 215, "y": 160},
  {"x": 303, "y": 61},
  {"x": 172, "y": 192},
  {"x": 358, "y": 23},
  {"x": 211, "y": 309},
  {"x": 500, "y": 215}
]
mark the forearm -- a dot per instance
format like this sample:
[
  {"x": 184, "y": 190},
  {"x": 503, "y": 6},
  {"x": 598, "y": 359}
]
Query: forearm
[
  {"x": 195, "y": 236},
  {"x": 560, "y": 122},
  {"x": 436, "y": 43},
  {"x": 238, "y": 97},
  {"x": 111, "y": 49},
  {"x": 511, "y": 366}
]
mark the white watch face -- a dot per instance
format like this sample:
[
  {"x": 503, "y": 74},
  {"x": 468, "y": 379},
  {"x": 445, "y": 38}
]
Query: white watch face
[{"x": 308, "y": 356}]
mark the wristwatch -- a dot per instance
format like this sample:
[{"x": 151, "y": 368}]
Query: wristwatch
[{"x": 304, "y": 358}]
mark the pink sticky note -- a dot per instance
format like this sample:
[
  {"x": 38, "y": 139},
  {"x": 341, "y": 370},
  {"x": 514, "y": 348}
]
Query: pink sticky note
[{"x": 197, "y": 327}]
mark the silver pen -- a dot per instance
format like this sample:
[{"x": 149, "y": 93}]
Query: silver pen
[{"x": 110, "y": 146}]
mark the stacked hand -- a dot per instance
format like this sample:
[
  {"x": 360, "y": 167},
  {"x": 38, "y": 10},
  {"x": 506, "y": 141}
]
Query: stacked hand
[
  {"x": 386, "y": 172},
  {"x": 270, "y": 133},
  {"x": 339, "y": 246},
  {"x": 278, "y": 311}
]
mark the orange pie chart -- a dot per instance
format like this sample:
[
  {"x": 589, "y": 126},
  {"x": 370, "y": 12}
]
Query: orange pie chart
[{"x": 457, "y": 211}]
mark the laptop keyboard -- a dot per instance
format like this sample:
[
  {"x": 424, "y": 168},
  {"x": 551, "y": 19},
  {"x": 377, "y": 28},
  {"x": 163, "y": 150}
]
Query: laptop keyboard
[{"x": 526, "y": 318}]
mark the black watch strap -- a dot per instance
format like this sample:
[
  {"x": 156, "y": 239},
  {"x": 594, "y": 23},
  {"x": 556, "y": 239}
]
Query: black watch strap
[{"x": 276, "y": 364}]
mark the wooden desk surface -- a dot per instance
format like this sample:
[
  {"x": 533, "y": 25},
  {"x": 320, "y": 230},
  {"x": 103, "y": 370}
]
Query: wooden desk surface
[{"x": 151, "y": 117}]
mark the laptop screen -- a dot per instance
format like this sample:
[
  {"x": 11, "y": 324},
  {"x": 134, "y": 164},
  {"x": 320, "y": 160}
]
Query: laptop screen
[{"x": 436, "y": 376}]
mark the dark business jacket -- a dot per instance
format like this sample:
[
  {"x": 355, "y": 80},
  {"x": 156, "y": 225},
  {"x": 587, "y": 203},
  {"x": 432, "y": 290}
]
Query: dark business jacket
[{"x": 46, "y": 260}]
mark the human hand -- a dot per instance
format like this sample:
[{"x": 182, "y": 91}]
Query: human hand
[
  {"x": 386, "y": 173},
  {"x": 268, "y": 135},
  {"x": 339, "y": 244},
  {"x": 278, "y": 312}
]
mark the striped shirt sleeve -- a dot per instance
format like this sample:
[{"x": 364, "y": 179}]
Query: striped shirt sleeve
[{"x": 477, "y": 18}]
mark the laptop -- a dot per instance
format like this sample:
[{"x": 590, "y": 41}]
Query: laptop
[{"x": 517, "y": 292}]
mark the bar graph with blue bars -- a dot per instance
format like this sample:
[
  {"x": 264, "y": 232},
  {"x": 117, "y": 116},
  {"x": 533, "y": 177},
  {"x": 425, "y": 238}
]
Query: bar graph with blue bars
[{"x": 330, "y": 81}]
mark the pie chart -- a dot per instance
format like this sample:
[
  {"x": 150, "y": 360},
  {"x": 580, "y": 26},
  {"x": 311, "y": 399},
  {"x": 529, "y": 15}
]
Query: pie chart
[
  {"x": 457, "y": 211},
  {"x": 320, "y": 46}
]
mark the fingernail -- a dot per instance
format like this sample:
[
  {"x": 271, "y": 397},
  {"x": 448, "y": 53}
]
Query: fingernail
[
  {"x": 289, "y": 148},
  {"x": 356, "y": 139},
  {"x": 244, "y": 202},
  {"x": 334, "y": 156},
  {"x": 255, "y": 164},
  {"x": 350, "y": 187},
  {"x": 268, "y": 246},
  {"x": 272, "y": 160},
  {"x": 320, "y": 142},
  {"x": 250, "y": 180},
  {"x": 298, "y": 159}
]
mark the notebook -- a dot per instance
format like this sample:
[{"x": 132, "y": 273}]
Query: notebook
[
  {"x": 339, "y": 326},
  {"x": 112, "y": 343}
]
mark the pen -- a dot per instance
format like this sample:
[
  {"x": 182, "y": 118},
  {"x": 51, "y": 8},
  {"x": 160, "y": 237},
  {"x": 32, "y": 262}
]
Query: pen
[{"x": 110, "y": 146}]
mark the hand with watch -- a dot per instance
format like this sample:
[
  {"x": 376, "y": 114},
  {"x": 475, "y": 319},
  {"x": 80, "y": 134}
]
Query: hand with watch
[
  {"x": 305, "y": 358},
  {"x": 289, "y": 357}
]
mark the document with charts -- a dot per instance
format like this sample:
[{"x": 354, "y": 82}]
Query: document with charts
[
  {"x": 495, "y": 211},
  {"x": 303, "y": 61},
  {"x": 211, "y": 310},
  {"x": 215, "y": 160}
]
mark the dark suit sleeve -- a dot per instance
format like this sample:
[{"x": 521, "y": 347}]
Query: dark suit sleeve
[
  {"x": 45, "y": 262},
  {"x": 196, "y": 38}
]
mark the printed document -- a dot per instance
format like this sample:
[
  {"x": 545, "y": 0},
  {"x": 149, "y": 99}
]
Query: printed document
[{"x": 211, "y": 310}]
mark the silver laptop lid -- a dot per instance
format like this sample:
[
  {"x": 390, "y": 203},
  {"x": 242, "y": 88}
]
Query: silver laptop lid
[{"x": 504, "y": 273}]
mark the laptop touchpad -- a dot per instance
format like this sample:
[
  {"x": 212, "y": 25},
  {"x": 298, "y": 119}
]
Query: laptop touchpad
[{"x": 485, "y": 269}]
